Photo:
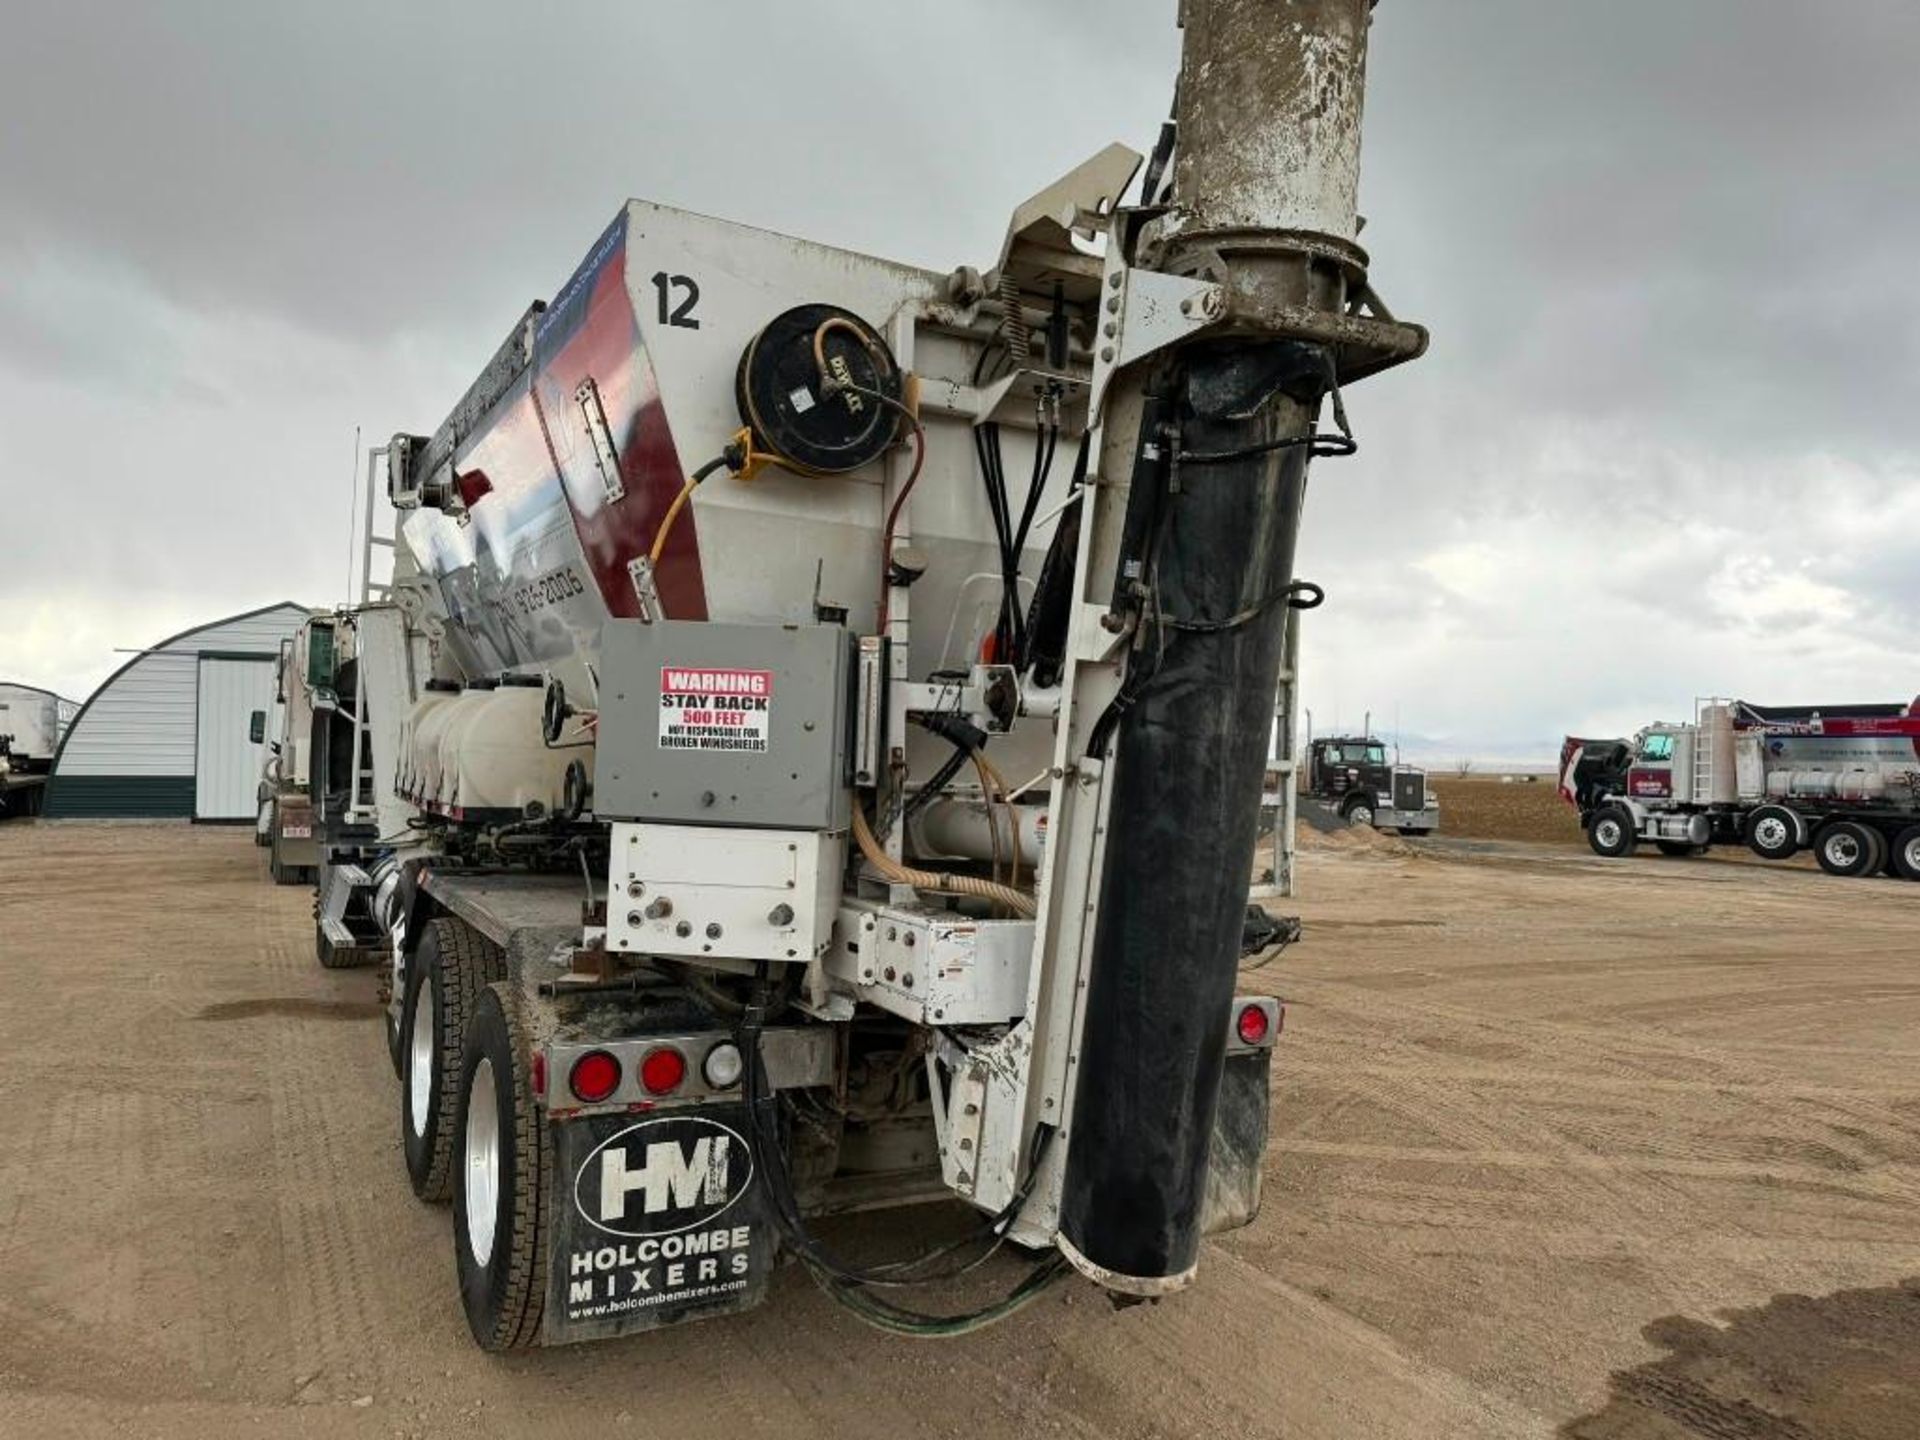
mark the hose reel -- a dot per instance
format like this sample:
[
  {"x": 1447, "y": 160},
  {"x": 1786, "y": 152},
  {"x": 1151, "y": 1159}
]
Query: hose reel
[{"x": 819, "y": 391}]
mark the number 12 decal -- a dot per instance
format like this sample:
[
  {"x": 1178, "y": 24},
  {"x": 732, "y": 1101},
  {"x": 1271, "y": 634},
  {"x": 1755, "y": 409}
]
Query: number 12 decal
[{"x": 682, "y": 314}]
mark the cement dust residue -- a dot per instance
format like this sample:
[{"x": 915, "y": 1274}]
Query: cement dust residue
[{"x": 1845, "y": 1366}]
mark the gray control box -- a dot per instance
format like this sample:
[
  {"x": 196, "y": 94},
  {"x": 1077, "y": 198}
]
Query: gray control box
[{"x": 710, "y": 724}]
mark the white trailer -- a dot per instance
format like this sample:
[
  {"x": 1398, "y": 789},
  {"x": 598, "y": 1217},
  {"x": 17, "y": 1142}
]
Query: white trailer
[
  {"x": 32, "y": 721},
  {"x": 809, "y": 755}
]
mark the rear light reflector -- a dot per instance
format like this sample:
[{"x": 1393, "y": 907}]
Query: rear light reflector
[
  {"x": 1253, "y": 1024},
  {"x": 538, "y": 1071},
  {"x": 595, "y": 1076},
  {"x": 662, "y": 1070}
]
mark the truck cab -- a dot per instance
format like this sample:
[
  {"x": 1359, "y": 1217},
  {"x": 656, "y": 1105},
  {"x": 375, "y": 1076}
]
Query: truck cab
[
  {"x": 1659, "y": 768},
  {"x": 1353, "y": 776}
]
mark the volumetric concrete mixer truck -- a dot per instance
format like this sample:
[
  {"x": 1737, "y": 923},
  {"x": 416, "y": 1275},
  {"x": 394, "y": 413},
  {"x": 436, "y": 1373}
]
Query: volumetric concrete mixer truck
[
  {"x": 833, "y": 775},
  {"x": 1840, "y": 780}
]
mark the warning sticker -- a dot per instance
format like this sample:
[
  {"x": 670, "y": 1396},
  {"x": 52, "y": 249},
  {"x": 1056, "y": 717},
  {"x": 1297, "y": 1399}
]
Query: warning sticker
[{"x": 721, "y": 710}]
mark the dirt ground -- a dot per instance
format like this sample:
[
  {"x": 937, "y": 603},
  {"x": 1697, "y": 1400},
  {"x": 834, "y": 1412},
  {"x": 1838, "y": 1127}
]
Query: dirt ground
[
  {"x": 1477, "y": 807},
  {"x": 1611, "y": 1151}
]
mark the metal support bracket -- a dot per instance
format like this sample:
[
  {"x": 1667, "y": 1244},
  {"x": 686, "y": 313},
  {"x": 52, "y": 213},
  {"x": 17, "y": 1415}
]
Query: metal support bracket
[
  {"x": 640, "y": 572},
  {"x": 1148, "y": 311}
]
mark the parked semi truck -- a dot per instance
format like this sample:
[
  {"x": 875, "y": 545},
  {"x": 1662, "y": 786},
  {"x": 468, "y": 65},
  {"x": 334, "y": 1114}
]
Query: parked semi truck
[
  {"x": 1840, "y": 780},
  {"x": 285, "y": 822},
  {"x": 1353, "y": 776},
  {"x": 32, "y": 721},
  {"x": 809, "y": 755}
]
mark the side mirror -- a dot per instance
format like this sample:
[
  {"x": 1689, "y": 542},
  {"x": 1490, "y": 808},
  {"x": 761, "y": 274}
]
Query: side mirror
[{"x": 257, "y": 727}]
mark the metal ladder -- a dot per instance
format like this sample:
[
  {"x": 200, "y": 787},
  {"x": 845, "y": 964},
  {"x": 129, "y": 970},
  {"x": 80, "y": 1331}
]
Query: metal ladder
[
  {"x": 363, "y": 805},
  {"x": 1704, "y": 775}
]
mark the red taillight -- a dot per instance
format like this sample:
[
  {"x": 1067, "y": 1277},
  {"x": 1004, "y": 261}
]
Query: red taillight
[
  {"x": 539, "y": 1073},
  {"x": 662, "y": 1070},
  {"x": 1253, "y": 1024},
  {"x": 594, "y": 1077}
]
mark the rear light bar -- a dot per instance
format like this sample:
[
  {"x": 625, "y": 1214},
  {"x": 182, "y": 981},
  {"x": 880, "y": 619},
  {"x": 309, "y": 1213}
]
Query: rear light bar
[{"x": 654, "y": 1070}]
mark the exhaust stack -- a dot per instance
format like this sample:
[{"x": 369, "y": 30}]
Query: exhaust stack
[{"x": 1266, "y": 176}]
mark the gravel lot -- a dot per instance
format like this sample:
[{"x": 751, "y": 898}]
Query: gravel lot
[{"x": 1617, "y": 1151}]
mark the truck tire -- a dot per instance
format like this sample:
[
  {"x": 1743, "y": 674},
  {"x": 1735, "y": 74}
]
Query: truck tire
[
  {"x": 1358, "y": 811},
  {"x": 1611, "y": 832},
  {"x": 449, "y": 969},
  {"x": 1773, "y": 833},
  {"x": 1848, "y": 848},
  {"x": 1680, "y": 849},
  {"x": 1903, "y": 854},
  {"x": 499, "y": 1222}
]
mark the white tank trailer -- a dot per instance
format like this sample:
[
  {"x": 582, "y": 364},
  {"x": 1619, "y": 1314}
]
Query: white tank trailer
[
  {"x": 1840, "y": 780},
  {"x": 809, "y": 756},
  {"x": 32, "y": 721}
]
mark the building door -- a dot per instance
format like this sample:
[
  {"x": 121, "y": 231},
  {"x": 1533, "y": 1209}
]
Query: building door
[{"x": 226, "y": 773}]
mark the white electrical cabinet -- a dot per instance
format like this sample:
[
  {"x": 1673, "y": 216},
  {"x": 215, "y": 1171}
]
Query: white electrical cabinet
[{"x": 708, "y": 893}]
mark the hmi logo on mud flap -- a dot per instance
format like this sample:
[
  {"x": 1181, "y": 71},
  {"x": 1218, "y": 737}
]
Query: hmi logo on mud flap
[{"x": 662, "y": 1176}]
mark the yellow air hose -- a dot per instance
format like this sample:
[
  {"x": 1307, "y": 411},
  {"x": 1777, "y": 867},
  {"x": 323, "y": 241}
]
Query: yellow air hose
[{"x": 1017, "y": 901}]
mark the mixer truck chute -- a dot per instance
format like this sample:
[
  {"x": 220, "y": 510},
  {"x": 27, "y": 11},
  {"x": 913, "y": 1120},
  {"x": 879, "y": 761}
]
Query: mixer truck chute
[
  {"x": 769, "y": 808},
  {"x": 1842, "y": 781}
]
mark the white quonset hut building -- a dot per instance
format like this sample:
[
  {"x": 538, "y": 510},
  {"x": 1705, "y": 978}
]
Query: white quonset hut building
[{"x": 167, "y": 734}]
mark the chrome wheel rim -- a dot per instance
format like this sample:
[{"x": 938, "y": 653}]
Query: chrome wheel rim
[
  {"x": 1771, "y": 832},
  {"x": 1843, "y": 850},
  {"x": 420, "y": 1059},
  {"x": 1360, "y": 815},
  {"x": 1912, "y": 856},
  {"x": 1607, "y": 832},
  {"x": 482, "y": 1145}
]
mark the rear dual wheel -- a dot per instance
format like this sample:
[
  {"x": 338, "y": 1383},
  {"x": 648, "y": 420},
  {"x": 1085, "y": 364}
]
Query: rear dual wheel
[
  {"x": 1903, "y": 855},
  {"x": 449, "y": 969},
  {"x": 499, "y": 1230},
  {"x": 1849, "y": 848}
]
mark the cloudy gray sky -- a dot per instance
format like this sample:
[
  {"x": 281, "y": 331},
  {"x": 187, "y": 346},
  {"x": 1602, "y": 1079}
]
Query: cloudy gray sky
[{"x": 1667, "y": 442}]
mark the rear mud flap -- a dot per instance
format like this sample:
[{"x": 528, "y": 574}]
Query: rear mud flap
[
  {"x": 1239, "y": 1143},
  {"x": 654, "y": 1218}
]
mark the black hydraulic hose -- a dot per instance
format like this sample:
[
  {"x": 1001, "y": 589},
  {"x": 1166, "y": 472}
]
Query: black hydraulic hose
[{"x": 846, "y": 1283}]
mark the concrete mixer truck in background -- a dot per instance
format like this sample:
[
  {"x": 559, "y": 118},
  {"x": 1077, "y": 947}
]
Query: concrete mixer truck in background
[
  {"x": 809, "y": 755},
  {"x": 1840, "y": 780}
]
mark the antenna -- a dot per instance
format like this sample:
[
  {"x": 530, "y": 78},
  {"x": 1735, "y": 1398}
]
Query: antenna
[{"x": 353, "y": 509}]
